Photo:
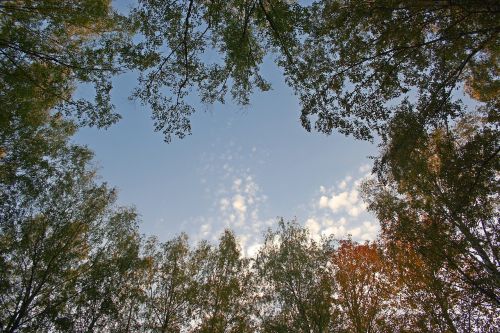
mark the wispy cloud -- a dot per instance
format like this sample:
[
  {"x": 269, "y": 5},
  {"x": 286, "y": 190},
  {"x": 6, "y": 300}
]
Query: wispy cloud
[{"x": 237, "y": 198}]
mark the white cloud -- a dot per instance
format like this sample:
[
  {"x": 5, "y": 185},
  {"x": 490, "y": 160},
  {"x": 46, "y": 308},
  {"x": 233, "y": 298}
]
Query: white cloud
[
  {"x": 223, "y": 204},
  {"x": 313, "y": 226},
  {"x": 335, "y": 231},
  {"x": 205, "y": 230},
  {"x": 252, "y": 250},
  {"x": 323, "y": 202},
  {"x": 237, "y": 199},
  {"x": 338, "y": 201},
  {"x": 370, "y": 230},
  {"x": 341, "y": 228},
  {"x": 239, "y": 203},
  {"x": 339, "y": 211},
  {"x": 237, "y": 184},
  {"x": 355, "y": 232},
  {"x": 364, "y": 168},
  {"x": 347, "y": 201}
]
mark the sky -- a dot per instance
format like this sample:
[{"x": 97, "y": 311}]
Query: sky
[{"x": 242, "y": 168}]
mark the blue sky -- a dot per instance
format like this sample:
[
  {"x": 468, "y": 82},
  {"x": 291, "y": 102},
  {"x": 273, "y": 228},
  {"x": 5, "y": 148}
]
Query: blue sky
[{"x": 241, "y": 168}]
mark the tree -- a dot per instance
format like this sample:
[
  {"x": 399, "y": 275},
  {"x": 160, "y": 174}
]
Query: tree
[
  {"x": 205, "y": 289},
  {"x": 178, "y": 38},
  {"x": 224, "y": 288},
  {"x": 350, "y": 62},
  {"x": 360, "y": 59},
  {"x": 295, "y": 282},
  {"x": 364, "y": 288},
  {"x": 64, "y": 245},
  {"x": 169, "y": 286},
  {"x": 432, "y": 298},
  {"x": 109, "y": 290},
  {"x": 437, "y": 191},
  {"x": 47, "y": 47},
  {"x": 73, "y": 261}
]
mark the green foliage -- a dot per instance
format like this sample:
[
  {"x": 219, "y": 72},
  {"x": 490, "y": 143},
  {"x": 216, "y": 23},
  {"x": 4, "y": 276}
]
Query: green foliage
[
  {"x": 47, "y": 47},
  {"x": 295, "y": 282},
  {"x": 64, "y": 247},
  {"x": 362, "y": 58},
  {"x": 168, "y": 285},
  {"x": 224, "y": 285},
  {"x": 350, "y": 62},
  {"x": 204, "y": 289},
  {"x": 179, "y": 39},
  {"x": 438, "y": 191}
]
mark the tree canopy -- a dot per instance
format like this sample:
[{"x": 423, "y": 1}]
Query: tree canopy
[
  {"x": 362, "y": 59},
  {"x": 350, "y": 62},
  {"x": 47, "y": 48},
  {"x": 67, "y": 252}
]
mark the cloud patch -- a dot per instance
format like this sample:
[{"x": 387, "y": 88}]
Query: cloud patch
[{"x": 340, "y": 212}]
